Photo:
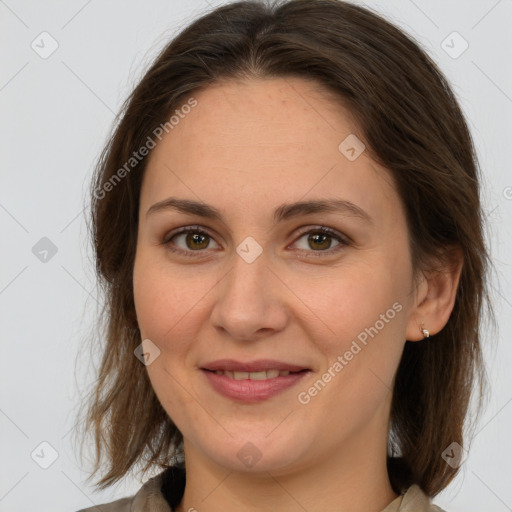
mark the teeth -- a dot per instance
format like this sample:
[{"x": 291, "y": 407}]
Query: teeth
[{"x": 263, "y": 375}]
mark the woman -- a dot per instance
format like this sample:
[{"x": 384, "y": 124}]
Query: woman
[{"x": 287, "y": 224}]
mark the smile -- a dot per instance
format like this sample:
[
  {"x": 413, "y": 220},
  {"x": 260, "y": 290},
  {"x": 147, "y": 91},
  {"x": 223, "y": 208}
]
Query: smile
[{"x": 261, "y": 375}]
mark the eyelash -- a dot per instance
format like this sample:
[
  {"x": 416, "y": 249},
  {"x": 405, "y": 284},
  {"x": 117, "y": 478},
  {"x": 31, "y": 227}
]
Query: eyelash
[{"x": 342, "y": 239}]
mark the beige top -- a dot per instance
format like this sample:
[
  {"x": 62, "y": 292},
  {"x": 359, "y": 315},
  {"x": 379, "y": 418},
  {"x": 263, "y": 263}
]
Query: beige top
[{"x": 151, "y": 499}]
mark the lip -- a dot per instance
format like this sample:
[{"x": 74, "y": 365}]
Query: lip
[
  {"x": 252, "y": 366},
  {"x": 251, "y": 391}
]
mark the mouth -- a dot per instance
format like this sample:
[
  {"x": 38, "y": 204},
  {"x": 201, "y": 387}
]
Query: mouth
[
  {"x": 261, "y": 375},
  {"x": 253, "y": 381}
]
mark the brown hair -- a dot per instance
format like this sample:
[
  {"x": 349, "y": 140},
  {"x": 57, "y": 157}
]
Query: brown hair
[{"x": 411, "y": 124}]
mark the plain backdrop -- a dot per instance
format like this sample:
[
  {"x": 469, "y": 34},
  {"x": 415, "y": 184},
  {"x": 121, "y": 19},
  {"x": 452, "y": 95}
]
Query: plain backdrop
[{"x": 56, "y": 113}]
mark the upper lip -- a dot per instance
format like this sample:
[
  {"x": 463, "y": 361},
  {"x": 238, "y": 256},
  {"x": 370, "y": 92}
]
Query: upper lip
[{"x": 252, "y": 366}]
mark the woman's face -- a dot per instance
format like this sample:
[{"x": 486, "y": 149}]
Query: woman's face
[{"x": 259, "y": 281}]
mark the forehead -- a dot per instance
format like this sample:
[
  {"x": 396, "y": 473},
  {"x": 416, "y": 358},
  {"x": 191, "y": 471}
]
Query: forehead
[{"x": 262, "y": 142}]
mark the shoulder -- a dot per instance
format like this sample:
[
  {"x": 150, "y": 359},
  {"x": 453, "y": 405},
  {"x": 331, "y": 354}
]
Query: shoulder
[
  {"x": 122, "y": 505},
  {"x": 149, "y": 497}
]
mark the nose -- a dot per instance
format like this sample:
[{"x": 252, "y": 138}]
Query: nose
[{"x": 250, "y": 301}]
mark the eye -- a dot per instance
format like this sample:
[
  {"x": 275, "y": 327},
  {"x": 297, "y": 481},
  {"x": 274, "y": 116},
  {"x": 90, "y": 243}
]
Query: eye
[
  {"x": 321, "y": 239},
  {"x": 189, "y": 240}
]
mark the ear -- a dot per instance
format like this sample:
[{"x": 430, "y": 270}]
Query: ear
[{"x": 435, "y": 295}]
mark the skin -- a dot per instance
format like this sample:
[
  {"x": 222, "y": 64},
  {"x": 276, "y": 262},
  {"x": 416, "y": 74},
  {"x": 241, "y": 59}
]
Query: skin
[{"x": 245, "y": 149}]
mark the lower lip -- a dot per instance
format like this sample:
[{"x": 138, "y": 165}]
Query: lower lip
[{"x": 252, "y": 390}]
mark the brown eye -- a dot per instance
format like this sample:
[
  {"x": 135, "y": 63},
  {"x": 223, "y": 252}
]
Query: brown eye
[
  {"x": 196, "y": 241},
  {"x": 321, "y": 240},
  {"x": 189, "y": 240}
]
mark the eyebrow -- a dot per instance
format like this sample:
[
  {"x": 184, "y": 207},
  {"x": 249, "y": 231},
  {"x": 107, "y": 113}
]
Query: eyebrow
[{"x": 283, "y": 212}]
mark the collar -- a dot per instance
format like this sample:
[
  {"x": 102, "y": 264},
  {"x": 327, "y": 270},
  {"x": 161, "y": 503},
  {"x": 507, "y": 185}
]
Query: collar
[{"x": 413, "y": 500}]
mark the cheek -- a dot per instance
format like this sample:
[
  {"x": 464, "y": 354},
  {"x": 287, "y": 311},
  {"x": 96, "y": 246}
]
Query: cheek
[
  {"x": 364, "y": 307},
  {"x": 154, "y": 301},
  {"x": 162, "y": 298},
  {"x": 164, "y": 304},
  {"x": 353, "y": 299}
]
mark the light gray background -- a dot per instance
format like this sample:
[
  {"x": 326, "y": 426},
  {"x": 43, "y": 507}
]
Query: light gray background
[{"x": 56, "y": 115}]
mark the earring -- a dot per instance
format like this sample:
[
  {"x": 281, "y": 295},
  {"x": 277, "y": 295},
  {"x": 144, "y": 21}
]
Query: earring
[{"x": 425, "y": 332}]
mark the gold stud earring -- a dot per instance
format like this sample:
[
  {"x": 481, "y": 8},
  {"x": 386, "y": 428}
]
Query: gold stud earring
[{"x": 425, "y": 332}]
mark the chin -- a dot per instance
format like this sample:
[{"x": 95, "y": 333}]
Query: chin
[{"x": 255, "y": 452}]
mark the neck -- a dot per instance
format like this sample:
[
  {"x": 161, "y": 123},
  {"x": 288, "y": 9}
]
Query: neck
[{"x": 350, "y": 478}]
